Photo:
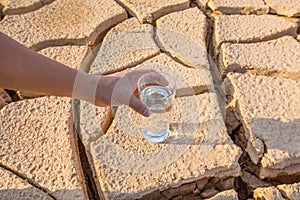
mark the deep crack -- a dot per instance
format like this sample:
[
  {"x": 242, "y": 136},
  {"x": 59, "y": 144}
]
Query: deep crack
[
  {"x": 93, "y": 192},
  {"x": 194, "y": 190},
  {"x": 250, "y": 180},
  {"x": 129, "y": 12},
  {"x": 13, "y": 95},
  {"x": 29, "y": 180},
  {"x": 91, "y": 187},
  {"x": 242, "y": 187},
  {"x": 83, "y": 167},
  {"x": 1, "y": 12}
]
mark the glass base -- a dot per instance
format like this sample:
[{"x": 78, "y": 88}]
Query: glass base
[{"x": 158, "y": 136}]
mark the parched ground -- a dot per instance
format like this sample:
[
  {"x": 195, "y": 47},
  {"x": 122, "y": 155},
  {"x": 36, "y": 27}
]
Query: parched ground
[{"x": 235, "y": 122}]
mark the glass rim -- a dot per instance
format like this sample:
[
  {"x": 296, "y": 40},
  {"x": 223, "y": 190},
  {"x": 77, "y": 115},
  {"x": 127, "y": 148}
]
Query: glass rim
[{"x": 171, "y": 88}]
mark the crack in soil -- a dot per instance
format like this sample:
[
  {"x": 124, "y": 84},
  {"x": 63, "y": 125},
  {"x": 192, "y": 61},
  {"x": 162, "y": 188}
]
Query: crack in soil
[
  {"x": 58, "y": 42},
  {"x": 132, "y": 65},
  {"x": 95, "y": 47},
  {"x": 260, "y": 72},
  {"x": 2, "y": 15},
  {"x": 163, "y": 50},
  {"x": 29, "y": 180},
  {"x": 129, "y": 12},
  {"x": 217, "y": 56},
  {"x": 93, "y": 41},
  {"x": 198, "y": 89},
  {"x": 94, "y": 193},
  {"x": 30, "y": 8},
  {"x": 91, "y": 187},
  {"x": 13, "y": 95},
  {"x": 84, "y": 159},
  {"x": 250, "y": 180},
  {"x": 217, "y": 80},
  {"x": 196, "y": 189},
  {"x": 82, "y": 166},
  {"x": 276, "y": 74},
  {"x": 242, "y": 187}
]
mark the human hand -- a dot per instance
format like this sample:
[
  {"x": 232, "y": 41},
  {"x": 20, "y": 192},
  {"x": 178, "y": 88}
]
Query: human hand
[{"x": 120, "y": 89}]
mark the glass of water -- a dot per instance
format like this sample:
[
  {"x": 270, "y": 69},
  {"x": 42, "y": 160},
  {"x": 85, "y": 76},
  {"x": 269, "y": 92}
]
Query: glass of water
[{"x": 158, "y": 98}]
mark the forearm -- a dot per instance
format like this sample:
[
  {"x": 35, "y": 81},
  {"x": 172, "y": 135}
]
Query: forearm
[{"x": 25, "y": 70}]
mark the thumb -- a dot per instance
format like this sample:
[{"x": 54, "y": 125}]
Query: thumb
[{"x": 139, "y": 106}]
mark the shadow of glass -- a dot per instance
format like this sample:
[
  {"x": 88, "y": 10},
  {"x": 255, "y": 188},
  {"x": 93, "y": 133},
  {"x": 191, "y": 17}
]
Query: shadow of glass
[{"x": 208, "y": 133}]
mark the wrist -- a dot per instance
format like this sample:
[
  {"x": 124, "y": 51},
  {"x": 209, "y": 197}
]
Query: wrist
[
  {"x": 105, "y": 89},
  {"x": 85, "y": 87}
]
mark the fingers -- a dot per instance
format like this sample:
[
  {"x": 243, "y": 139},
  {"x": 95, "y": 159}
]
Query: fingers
[
  {"x": 136, "y": 74},
  {"x": 133, "y": 76},
  {"x": 138, "y": 106},
  {"x": 162, "y": 80},
  {"x": 124, "y": 88},
  {"x": 149, "y": 77}
]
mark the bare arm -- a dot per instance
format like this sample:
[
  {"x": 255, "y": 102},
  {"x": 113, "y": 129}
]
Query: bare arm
[{"x": 25, "y": 70}]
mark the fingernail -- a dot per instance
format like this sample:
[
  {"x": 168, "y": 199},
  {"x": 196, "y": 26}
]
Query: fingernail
[{"x": 146, "y": 113}]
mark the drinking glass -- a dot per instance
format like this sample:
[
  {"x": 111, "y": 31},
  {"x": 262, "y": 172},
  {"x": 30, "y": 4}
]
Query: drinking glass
[{"x": 158, "y": 98}]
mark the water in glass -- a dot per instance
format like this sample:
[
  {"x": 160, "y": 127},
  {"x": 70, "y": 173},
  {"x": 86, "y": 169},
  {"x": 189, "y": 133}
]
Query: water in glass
[{"x": 159, "y": 100}]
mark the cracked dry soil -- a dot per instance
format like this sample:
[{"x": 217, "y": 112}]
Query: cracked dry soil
[{"x": 244, "y": 185}]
